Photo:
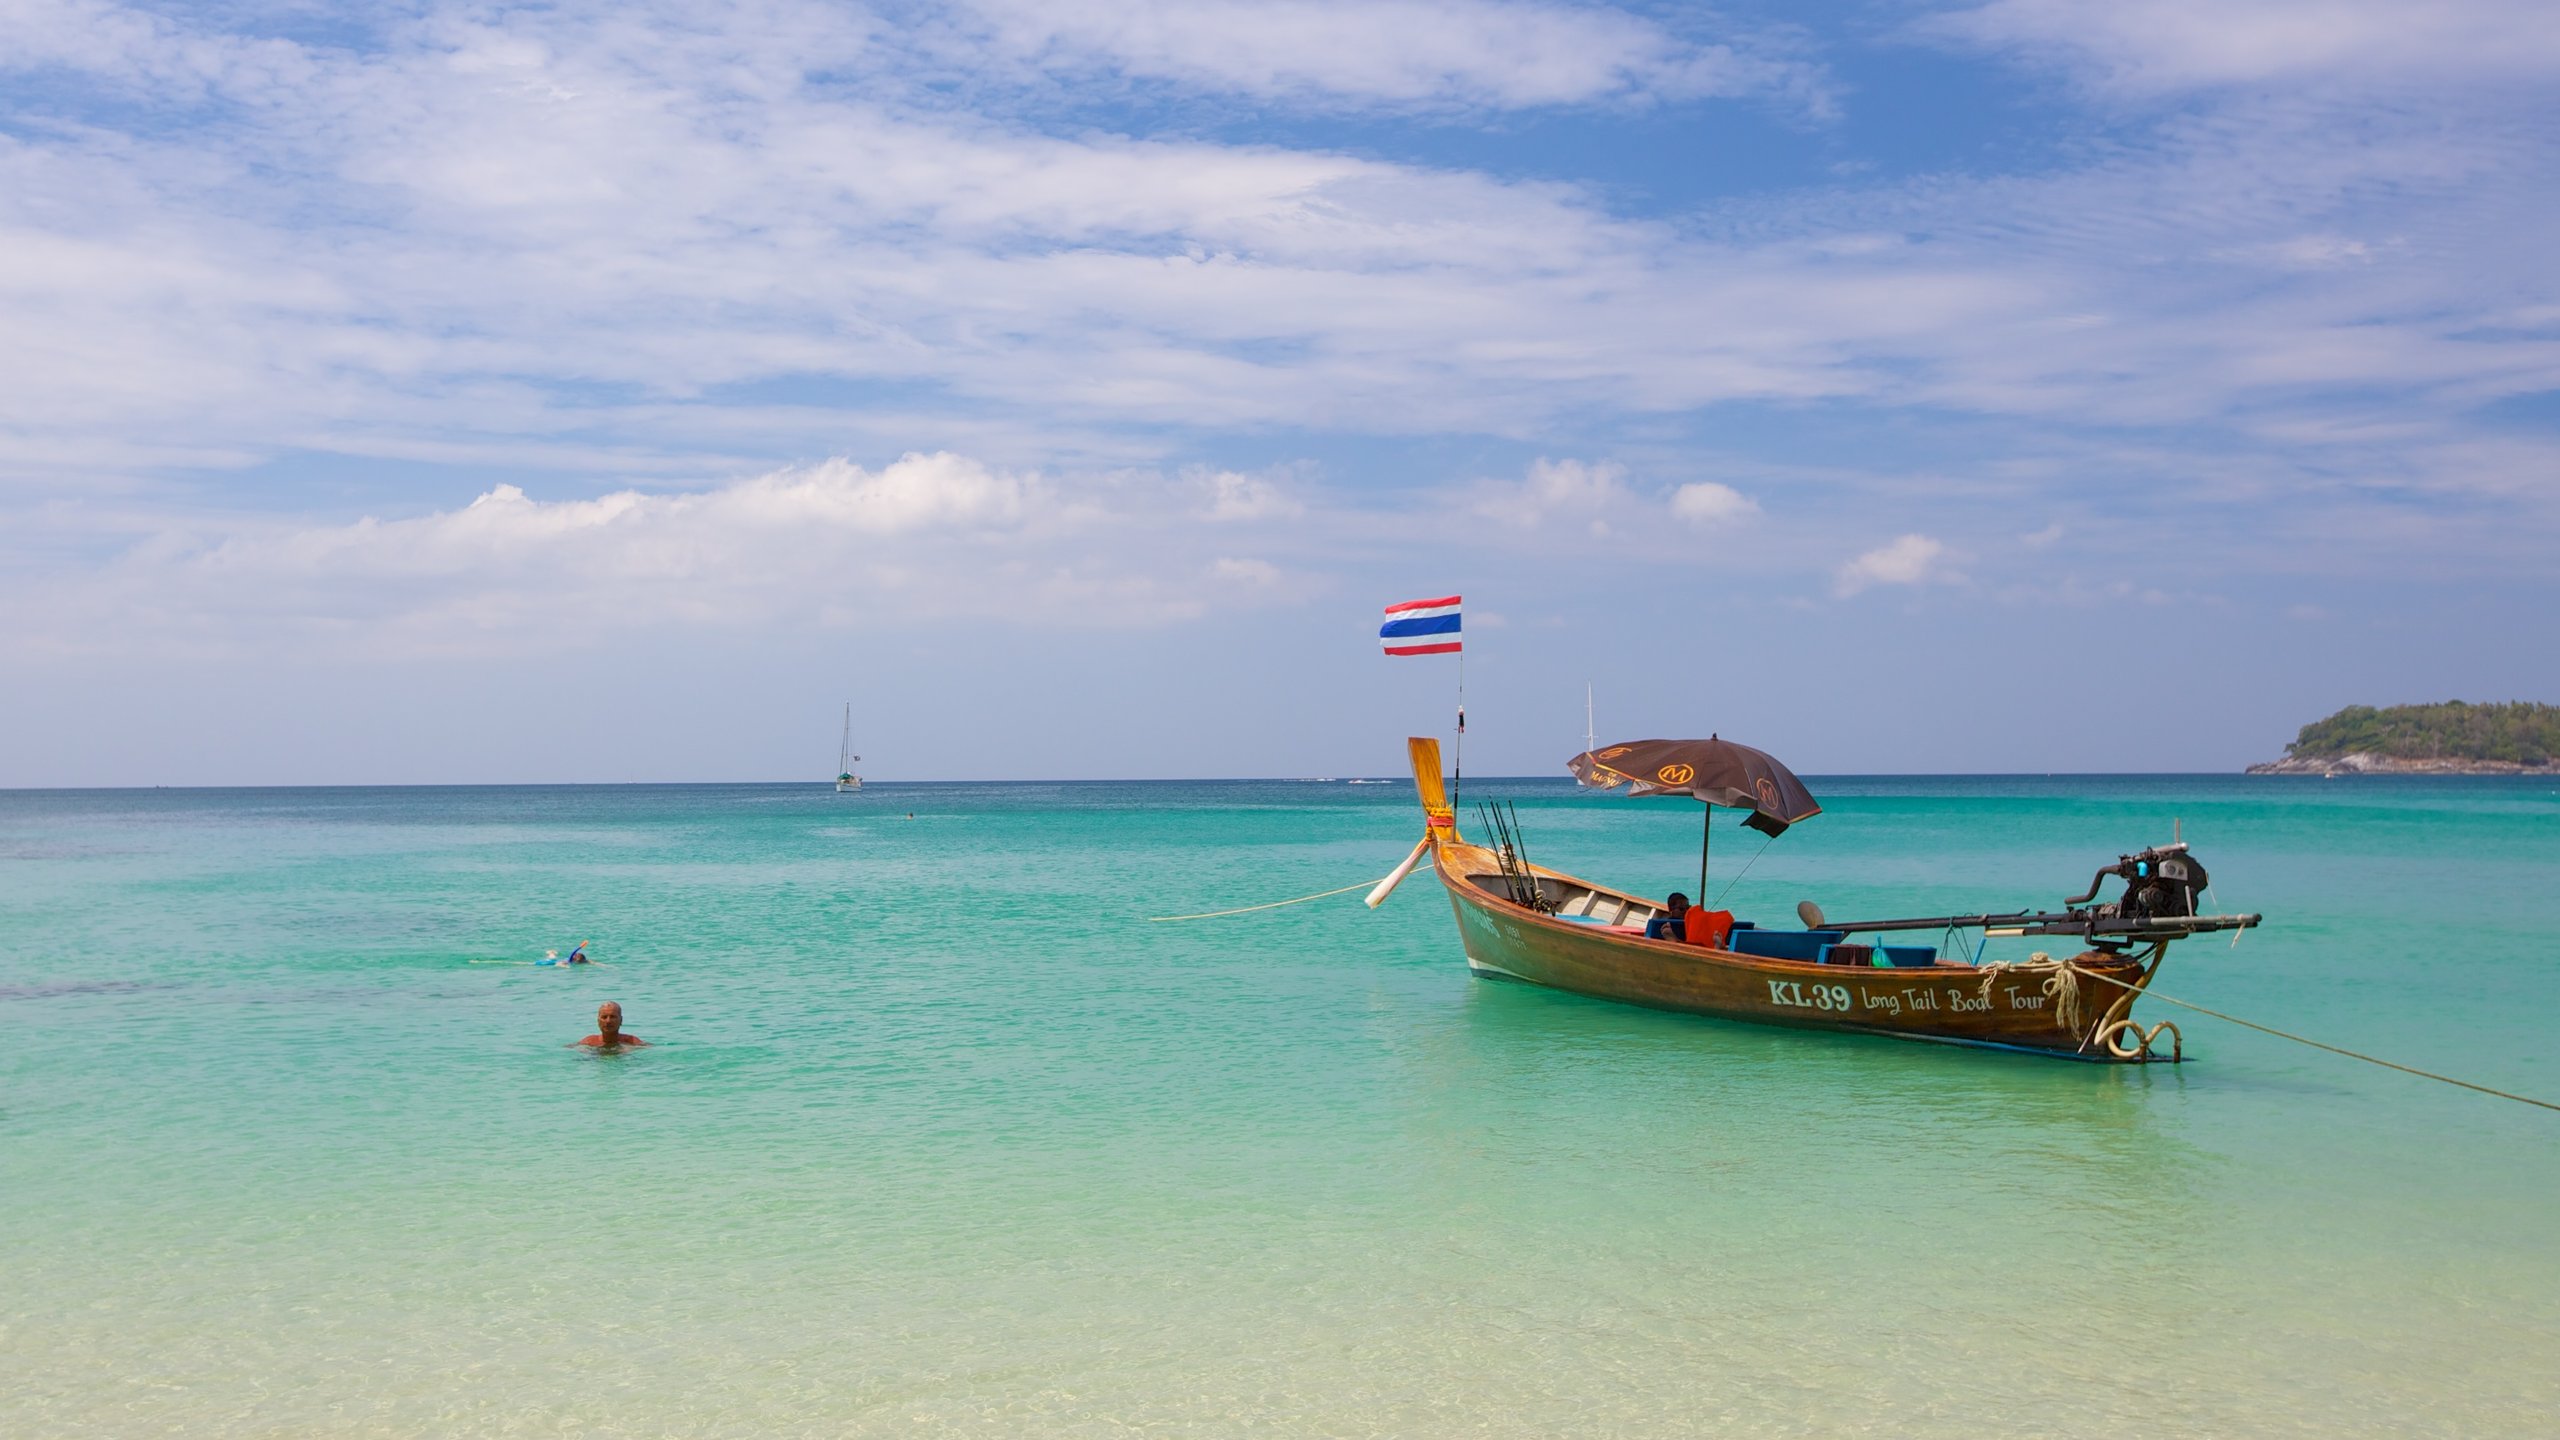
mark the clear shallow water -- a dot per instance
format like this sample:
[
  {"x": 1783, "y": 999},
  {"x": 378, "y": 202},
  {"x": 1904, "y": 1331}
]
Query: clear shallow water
[{"x": 939, "y": 1137}]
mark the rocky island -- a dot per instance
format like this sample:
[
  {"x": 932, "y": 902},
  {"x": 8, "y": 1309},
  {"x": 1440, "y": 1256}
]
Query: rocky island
[{"x": 2454, "y": 738}]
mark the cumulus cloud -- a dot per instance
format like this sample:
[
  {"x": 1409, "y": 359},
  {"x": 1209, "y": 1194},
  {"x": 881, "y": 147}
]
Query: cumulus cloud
[
  {"x": 647, "y": 536},
  {"x": 930, "y": 535},
  {"x": 1236, "y": 497},
  {"x": 1904, "y": 560},
  {"x": 1595, "y": 496},
  {"x": 1704, "y": 502},
  {"x": 1554, "y": 492}
]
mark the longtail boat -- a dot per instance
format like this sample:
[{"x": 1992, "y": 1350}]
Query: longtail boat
[{"x": 1528, "y": 922}]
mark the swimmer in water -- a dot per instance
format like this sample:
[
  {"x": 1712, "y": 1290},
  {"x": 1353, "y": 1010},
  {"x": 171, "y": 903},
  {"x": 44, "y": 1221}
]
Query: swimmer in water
[
  {"x": 609, "y": 1034},
  {"x": 574, "y": 957}
]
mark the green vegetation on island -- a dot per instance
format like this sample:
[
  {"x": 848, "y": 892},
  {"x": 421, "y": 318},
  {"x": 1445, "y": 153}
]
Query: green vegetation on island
[{"x": 2519, "y": 734}]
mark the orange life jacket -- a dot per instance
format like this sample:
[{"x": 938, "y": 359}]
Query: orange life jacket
[{"x": 1710, "y": 928}]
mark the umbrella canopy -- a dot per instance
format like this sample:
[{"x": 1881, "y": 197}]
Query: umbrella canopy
[{"x": 1718, "y": 772}]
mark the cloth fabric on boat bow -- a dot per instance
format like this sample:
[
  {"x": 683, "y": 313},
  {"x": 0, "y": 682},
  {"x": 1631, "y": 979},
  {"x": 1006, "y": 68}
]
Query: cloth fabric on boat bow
[{"x": 1716, "y": 771}]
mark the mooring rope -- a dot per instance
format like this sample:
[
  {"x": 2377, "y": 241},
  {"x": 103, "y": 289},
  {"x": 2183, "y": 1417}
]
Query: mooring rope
[
  {"x": 1249, "y": 909},
  {"x": 2317, "y": 1045}
]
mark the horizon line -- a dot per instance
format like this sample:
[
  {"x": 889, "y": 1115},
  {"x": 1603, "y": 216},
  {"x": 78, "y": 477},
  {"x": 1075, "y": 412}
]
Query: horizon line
[{"x": 827, "y": 785}]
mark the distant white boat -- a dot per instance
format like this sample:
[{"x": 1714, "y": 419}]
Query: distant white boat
[
  {"x": 1590, "y": 740},
  {"x": 846, "y": 781}
]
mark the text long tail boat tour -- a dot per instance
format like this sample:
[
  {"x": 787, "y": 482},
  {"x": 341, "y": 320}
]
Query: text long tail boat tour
[{"x": 1530, "y": 923}]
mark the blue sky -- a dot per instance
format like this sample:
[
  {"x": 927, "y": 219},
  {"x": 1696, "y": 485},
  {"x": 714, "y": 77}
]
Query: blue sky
[{"x": 600, "y": 392}]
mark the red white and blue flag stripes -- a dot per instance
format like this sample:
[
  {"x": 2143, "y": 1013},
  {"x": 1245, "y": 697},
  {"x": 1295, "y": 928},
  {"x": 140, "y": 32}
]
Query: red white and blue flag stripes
[{"x": 1421, "y": 627}]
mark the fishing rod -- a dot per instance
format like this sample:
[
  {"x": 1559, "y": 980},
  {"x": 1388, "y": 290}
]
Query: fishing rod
[{"x": 1512, "y": 854}]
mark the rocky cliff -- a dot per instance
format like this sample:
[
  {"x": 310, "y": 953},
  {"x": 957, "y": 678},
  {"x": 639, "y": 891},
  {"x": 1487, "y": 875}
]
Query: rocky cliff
[{"x": 2362, "y": 762}]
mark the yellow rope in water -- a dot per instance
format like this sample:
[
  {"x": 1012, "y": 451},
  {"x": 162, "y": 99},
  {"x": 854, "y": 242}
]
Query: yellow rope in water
[
  {"x": 1249, "y": 909},
  {"x": 2316, "y": 1045}
]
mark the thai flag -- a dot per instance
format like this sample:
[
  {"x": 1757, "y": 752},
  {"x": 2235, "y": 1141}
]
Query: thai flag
[{"x": 1421, "y": 627}]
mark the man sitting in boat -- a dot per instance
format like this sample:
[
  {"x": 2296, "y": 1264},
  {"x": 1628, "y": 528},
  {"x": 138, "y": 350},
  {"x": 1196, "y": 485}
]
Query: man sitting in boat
[
  {"x": 1673, "y": 922},
  {"x": 1690, "y": 924}
]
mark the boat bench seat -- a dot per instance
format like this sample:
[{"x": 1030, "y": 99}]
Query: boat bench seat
[
  {"x": 1596, "y": 923},
  {"x": 1784, "y": 944},
  {"x": 1884, "y": 957}
]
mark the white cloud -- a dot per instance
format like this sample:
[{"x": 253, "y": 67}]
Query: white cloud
[
  {"x": 1236, "y": 497},
  {"x": 1460, "y": 52},
  {"x": 511, "y": 232},
  {"x": 1905, "y": 560},
  {"x": 1704, "y": 502},
  {"x": 740, "y": 533},
  {"x": 676, "y": 242},
  {"x": 1575, "y": 484},
  {"x": 1595, "y": 495},
  {"x": 384, "y": 247},
  {"x": 2162, "y": 45},
  {"x": 1257, "y": 573},
  {"x": 929, "y": 535},
  {"x": 1574, "y": 491},
  {"x": 139, "y": 52}
]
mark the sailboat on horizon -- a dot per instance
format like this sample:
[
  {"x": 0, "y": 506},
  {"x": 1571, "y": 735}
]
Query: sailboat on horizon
[
  {"x": 846, "y": 781},
  {"x": 1590, "y": 735}
]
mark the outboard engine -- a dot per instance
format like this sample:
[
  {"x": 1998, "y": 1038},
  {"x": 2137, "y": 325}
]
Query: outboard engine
[
  {"x": 2158, "y": 904},
  {"x": 2160, "y": 883}
]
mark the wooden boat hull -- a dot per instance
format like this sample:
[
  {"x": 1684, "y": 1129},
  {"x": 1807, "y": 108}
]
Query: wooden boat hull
[
  {"x": 1944, "y": 1003},
  {"x": 1950, "y": 1002}
]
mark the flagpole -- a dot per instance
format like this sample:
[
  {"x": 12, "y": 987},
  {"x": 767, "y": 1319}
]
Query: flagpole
[
  {"x": 1461, "y": 773},
  {"x": 1431, "y": 627}
]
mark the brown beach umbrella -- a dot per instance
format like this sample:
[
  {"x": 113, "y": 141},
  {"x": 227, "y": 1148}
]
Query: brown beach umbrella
[{"x": 1713, "y": 770}]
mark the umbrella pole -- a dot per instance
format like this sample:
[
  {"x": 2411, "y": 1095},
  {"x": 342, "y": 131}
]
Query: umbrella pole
[{"x": 1706, "y": 832}]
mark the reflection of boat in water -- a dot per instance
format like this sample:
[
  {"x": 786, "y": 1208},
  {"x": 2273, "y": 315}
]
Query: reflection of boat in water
[
  {"x": 846, "y": 781},
  {"x": 1532, "y": 923}
]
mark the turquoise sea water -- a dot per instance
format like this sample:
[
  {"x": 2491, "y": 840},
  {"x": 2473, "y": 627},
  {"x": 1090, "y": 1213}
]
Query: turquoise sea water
[{"x": 937, "y": 1136}]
